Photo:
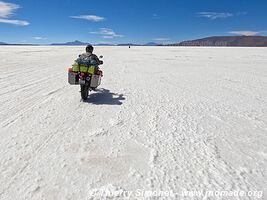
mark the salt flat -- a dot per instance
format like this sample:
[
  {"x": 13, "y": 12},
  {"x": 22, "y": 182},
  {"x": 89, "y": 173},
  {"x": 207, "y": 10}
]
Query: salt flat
[{"x": 164, "y": 119}]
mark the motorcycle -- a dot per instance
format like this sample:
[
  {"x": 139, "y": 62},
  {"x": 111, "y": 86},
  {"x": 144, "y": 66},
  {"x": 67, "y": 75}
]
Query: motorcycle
[{"x": 87, "y": 76}]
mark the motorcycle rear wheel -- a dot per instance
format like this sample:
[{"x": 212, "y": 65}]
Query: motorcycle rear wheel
[{"x": 84, "y": 92}]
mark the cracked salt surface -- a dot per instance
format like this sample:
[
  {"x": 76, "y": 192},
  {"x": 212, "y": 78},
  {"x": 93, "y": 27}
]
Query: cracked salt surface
[{"x": 185, "y": 119}]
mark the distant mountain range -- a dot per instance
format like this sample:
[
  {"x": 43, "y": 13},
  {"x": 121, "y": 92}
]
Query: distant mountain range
[
  {"x": 79, "y": 43},
  {"x": 230, "y": 41},
  {"x": 152, "y": 44},
  {"x": 129, "y": 44},
  {"x": 6, "y": 44},
  {"x": 74, "y": 43},
  {"x": 103, "y": 44},
  {"x": 147, "y": 44}
]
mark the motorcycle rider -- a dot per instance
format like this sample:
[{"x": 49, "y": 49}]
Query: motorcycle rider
[{"x": 89, "y": 55}]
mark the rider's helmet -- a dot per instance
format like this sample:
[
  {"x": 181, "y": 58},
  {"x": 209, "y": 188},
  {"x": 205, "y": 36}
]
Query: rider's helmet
[{"x": 89, "y": 48}]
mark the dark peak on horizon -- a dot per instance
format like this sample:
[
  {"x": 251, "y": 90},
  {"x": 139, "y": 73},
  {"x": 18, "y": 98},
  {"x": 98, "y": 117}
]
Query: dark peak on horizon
[
  {"x": 76, "y": 42},
  {"x": 231, "y": 41}
]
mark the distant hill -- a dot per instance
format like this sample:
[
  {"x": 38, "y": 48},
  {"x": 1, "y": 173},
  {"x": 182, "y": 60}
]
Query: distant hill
[
  {"x": 147, "y": 44},
  {"x": 103, "y": 44},
  {"x": 74, "y": 43},
  {"x": 233, "y": 41},
  {"x": 3, "y": 43},
  {"x": 152, "y": 44},
  {"x": 129, "y": 44}
]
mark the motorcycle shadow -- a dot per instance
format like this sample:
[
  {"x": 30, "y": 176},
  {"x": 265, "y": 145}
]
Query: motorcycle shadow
[{"x": 105, "y": 97}]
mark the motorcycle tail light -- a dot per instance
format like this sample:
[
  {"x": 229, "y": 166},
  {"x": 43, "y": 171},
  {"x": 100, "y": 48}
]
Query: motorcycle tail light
[{"x": 99, "y": 72}]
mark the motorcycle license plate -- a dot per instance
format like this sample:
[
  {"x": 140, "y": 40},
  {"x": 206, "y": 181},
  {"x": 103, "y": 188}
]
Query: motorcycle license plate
[{"x": 82, "y": 82}]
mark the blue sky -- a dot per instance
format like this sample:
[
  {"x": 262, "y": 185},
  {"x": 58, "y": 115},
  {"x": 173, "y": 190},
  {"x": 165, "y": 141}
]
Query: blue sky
[{"x": 122, "y": 21}]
